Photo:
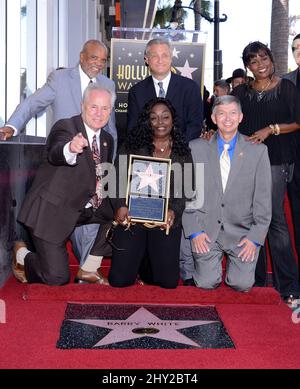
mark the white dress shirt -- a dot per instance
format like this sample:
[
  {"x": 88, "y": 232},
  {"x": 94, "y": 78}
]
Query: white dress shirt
[{"x": 165, "y": 82}]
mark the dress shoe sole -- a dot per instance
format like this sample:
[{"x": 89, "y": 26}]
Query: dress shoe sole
[
  {"x": 20, "y": 275},
  {"x": 17, "y": 272}
]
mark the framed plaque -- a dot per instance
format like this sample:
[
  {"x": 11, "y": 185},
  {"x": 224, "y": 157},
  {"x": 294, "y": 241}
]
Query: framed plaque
[{"x": 148, "y": 189}]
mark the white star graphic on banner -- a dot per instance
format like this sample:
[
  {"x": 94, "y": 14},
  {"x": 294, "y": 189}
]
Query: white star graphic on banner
[
  {"x": 148, "y": 177},
  {"x": 186, "y": 70},
  {"x": 175, "y": 53},
  {"x": 122, "y": 330}
]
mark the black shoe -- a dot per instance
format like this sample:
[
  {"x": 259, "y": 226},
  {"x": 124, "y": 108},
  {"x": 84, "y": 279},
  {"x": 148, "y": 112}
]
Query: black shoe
[
  {"x": 291, "y": 301},
  {"x": 189, "y": 282},
  {"x": 259, "y": 285}
]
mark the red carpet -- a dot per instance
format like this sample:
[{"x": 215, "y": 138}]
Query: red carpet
[
  {"x": 149, "y": 294},
  {"x": 262, "y": 331}
]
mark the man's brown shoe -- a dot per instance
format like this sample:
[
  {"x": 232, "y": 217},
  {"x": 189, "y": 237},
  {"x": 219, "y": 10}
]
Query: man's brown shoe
[
  {"x": 91, "y": 277},
  {"x": 17, "y": 268}
]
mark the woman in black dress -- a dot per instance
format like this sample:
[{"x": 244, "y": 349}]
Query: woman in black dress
[
  {"x": 271, "y": 108},
  {"x": 156, "y": 135}
]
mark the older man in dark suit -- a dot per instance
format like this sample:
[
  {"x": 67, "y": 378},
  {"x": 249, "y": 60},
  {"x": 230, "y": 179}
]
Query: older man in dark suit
[
  {"x": 294, "y": 185},
  {"x": 67, "y": 192},
  {"x": 183, "y": 92}
]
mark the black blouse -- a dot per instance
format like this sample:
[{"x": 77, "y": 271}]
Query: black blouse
[{"x": 280, "y": 104}]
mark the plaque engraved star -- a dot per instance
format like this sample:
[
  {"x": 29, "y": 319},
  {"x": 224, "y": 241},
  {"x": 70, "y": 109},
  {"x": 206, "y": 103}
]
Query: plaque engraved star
[
  {"x": 148, "y": 177},
  {"x": 144, "y": 323}
]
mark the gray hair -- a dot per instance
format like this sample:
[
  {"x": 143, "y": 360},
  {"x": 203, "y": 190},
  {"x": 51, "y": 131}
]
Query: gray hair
[
  {"x": 226, "y": 100},
  {"x": 94, "y": 42},
  {"x": 157, "y": 41},
  {"x": 96, "y": 87}
]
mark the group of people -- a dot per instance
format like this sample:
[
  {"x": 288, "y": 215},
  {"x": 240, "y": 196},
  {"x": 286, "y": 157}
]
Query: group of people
[{"x": 248, "y": 163}]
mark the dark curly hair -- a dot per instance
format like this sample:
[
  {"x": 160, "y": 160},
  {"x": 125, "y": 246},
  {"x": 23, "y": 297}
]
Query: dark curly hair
[
  {"x": 142, "y": 134},
  {"x": 253, "y": 49}
]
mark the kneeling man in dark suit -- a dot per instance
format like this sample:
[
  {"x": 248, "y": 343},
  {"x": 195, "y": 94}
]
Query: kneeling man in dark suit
[
  {"x": 232, "y": 209},
  {"x": 67, "y": 191}
]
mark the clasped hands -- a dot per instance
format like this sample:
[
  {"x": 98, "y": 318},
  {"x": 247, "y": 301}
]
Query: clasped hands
[
  {"x": 122, "y": 217},
  {"x": 247, "y": 254}
]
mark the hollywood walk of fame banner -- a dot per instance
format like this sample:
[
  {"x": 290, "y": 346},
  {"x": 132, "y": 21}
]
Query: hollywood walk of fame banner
[
  {"x": 122, "y": 326},
  {"x": 148, "y": 189},
  {"x": 128, "y": 67}
]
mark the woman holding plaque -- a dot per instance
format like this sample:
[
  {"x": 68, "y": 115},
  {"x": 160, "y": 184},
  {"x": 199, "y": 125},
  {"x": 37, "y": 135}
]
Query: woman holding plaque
[{"x": 156, "y": 135}]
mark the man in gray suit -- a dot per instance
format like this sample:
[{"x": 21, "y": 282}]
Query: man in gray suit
[
  {"x": 294, "y": 185},
  {"x": 235, "y": 213},
  {"x": 63, "y": 91}
]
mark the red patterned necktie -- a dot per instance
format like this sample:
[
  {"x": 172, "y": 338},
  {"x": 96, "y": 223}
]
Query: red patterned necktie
[{"x": 97, "y": 197}]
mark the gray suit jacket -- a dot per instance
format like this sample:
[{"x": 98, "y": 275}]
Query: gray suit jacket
[
  {"x": 63, "y": 92},
  {"x": 244, "y": 210}
]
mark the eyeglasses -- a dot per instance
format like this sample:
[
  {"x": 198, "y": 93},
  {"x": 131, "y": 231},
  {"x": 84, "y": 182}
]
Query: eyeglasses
[{"x": 110, "y": 234}]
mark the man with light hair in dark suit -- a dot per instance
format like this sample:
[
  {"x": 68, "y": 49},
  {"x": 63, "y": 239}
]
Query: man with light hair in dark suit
[{"x": 182, "y": 92}]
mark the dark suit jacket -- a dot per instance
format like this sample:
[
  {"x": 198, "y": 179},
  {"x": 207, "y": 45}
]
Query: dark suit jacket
[
  {"x": 292, "y": 76},
  {"x": 60, "y": 191},
  {"x": 184, "y": 95}
]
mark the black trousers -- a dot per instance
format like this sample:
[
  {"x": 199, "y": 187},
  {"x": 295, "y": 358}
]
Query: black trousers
[
  {"x": 285, "y": 271},
  {"x": 49, "y": 264},
  {"x": 161, "y": 250},
  {"x": 294, "y": 197}
]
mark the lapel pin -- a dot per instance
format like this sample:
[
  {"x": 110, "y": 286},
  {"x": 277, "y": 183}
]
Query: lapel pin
[{"x": 104, "y": 144}]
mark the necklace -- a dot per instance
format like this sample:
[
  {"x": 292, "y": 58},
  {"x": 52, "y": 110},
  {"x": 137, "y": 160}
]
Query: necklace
[
  {"x": 162, "y": 149},
  {"x": 260, "y": 93}
]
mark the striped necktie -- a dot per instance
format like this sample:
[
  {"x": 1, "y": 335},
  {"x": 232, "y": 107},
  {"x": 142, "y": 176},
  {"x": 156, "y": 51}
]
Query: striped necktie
[{"x": 162, "y": 92}]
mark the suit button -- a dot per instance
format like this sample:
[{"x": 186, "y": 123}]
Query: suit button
[
  {"x": 219, "y": 221},
  {"x": 222, "y": 205}
]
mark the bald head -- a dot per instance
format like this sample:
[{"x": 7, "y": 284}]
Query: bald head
[{"x": 93, "y": 58}]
